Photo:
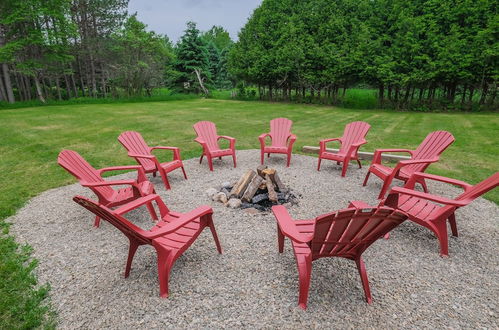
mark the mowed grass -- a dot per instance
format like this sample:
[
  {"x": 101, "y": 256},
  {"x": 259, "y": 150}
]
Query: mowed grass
[{"x": 31, "y": 138}]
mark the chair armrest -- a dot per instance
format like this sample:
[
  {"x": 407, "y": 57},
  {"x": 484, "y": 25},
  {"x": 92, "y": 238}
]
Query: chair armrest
[
  {"x": 291, "y": 140},
  {"x": 329, "y": 140},
  {"x": 359, "y": 143},
  {"x": 287, "y": 225},
  {"x": 165, "y": 148},
  {"x": 176, "y": 151},
  {"x": 322, "y": 144},
  {"x": 434, "y": 177},
  {"x": 181, "y": 221},
  {"x": 141, "y": 174},
  {"x": 119, "y": 168},
  {"x": 141, "y": 156},
  {"x": 262, "y": 139},
  {"x": 378, "y": 152},
  {"x": 418, "y": 161},
  {"x": 231, "y": 140},
  {"x": 136, "y": 203},
  {"x": 200, "y": 141},
  {"x": 108, "y": 183},
  {"x": 423, "y": 195}
]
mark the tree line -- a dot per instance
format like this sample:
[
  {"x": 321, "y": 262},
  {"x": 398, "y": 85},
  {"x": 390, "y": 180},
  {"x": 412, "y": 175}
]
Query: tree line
[
  {"x": 63, "y": 49},
  {"x": 431, "y": 52}
]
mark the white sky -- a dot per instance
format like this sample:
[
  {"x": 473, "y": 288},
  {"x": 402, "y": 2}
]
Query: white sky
[{"x": 169, "y": 16}]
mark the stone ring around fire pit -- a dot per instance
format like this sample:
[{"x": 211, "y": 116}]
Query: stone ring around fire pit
[{"x": 256, "y": 191}]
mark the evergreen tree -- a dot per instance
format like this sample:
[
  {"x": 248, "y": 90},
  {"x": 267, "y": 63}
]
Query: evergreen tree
[{"x": 191, "y": 57}]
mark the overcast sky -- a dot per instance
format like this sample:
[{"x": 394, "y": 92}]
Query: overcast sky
[{"x": 169, "y": 16}]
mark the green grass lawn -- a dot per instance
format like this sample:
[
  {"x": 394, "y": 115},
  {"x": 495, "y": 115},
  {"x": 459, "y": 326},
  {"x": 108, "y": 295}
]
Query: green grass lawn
[{"x": 31, "y": 139}]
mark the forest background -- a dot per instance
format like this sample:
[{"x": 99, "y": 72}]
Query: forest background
[{"x": 418, "y": 54}]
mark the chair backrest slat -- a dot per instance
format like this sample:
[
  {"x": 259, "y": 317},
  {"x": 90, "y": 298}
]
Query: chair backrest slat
[
  {"x": 135, "y": 143},
  {"x": 72, "y": 162},
  {"x": 354, "y": 132},
  {"x": 433, "y": 145},
  {"x": 208, "y": 132},
  {"x": 480, "y": 188},
  {"x": 347, "y": 233},
  {"x": 280, "y": 129}
]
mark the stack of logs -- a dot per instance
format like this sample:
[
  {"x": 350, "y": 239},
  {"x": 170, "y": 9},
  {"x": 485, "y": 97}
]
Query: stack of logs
[
  {"x": 264, "y": 179},
  {"x": 254, "y": 191}
]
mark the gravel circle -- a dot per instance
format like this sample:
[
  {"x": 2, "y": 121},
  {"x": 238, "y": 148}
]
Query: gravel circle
[{"x": 251, "y": 285}]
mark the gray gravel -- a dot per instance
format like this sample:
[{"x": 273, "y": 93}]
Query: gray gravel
[{"x": 251, "y": 285}]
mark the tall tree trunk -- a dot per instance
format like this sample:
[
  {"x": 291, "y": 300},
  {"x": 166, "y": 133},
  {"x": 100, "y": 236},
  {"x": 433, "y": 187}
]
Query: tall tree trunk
[
  {"x": 38, "y": 89},
  {"x": 73, "y": 84},
  {"x": 463, "y": 97},
  {"x": 421, "y": 93},
  {"x": 68, "y": 87},
  {"x": 7, "y": 83},
  {"x": 485, "y": 89},
  {"x": 3, "y": 93},
  {"x": 472, "y": 90},
  {"x": 20, "y": 87},
  {"x": 58, "y": 88},
  {"x": 27, "y": 86},
  {"x": 381, "y": 93}
]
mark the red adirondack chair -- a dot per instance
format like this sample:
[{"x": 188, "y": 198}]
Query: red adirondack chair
[
  {"x": 433, "y": 211},
  {"x": 171, "y": 236},
  {"x": 89, "y": 177},
  {"x": 428, "y": 152},
  {"x": 346, "y": 233},
  {"x": 207, "y": 137},
  {"x": 137, "y": 148},
  {"x": 281, "y": 139},
  {"x": 353, "y": 137}
]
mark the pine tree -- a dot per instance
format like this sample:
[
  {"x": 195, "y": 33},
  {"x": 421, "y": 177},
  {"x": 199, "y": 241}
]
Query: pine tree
[{"x": 191, "y": 57}]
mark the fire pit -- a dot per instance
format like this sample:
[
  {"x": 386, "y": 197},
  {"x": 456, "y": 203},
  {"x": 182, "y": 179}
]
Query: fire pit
[{"x": 256, "y": 191}]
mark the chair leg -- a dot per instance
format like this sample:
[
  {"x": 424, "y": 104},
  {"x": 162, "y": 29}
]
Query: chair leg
[
  {"x": 441, "y": 233},
  {"x": 131, "y": 252},
  {"x": 365, "y": 281},
  {"x": 185, "y": 174},
  {"x": 289, "y": 160},
  {"x": 384, "y": 188},
  {"x": 97, "y": 222},
  {"x": 319, "y": 164},
  {"x": 152, "y": 211},
  {"x": 234, "y": 159},
  {"x": 358, "y": 162},
  {"x": 280, "y": 240},
  {"x": 154, "y": 174},
  {"x": 268, "y": 155},
  {"x": 453, "y": 225},
  {"x": 304, "y": 274},
  {"x": 201, "y": 158},
  {"x": 210, "y": 163},
  {"x": 211, "y": 224},
  {"x": 165, "y": 262},
  {"x": 262, "y": 156},
  {"x": 345, "y": 167},
  {"x": 165, "y": 179},
  {"x": 367, "y": 178},
  {"x": 425, "y": 188}
]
